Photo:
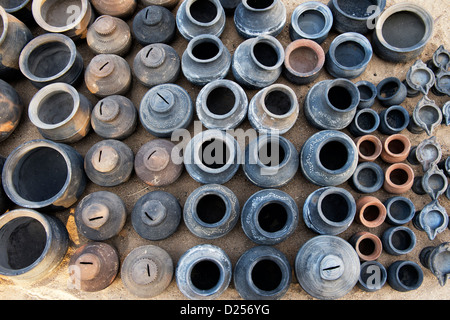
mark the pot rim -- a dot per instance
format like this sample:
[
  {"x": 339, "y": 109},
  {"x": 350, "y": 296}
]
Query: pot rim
[
  {"x": 351, "y": 37},
  {"x": 218, "y": 6},
  {"x": 286, "y": 90},
  {"x": 248, "y": 7},
  {"x": 380, "y": 3},
  {"x": 205, "y": 38},
  {"x": 312, "y": 6},
  {"x": 348, "y": 198},
  {"x": 275, "y": 44},
  {"x": 304, "y": 43}
]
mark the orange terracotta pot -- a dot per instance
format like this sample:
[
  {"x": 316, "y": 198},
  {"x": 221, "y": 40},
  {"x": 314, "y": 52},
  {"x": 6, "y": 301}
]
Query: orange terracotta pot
[
  {"x": 396, "y": 148},
  {"x": 399, "y": 178},
  {"x": 369, "y": 147},
  {"x": 367, "y": 245},
  {"x": 370, "y": 211}
]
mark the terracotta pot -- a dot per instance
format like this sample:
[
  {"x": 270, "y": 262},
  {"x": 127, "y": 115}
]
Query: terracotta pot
[
  {"x": 370, "y": 211},
  {"x": 399, "y": 178},
  {"x": 367, "y": 245},
  {"x": 396, "y": 148},
  {"x": 369, "y": 147}
]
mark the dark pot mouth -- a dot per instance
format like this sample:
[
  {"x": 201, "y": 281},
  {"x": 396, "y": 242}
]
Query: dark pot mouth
[
  {"x": 320, "y": 14},
  {"x": 341, "y": 159},
  {"x": 206, "y": 285},
  {"x": 259, "y": 5},
  {"x": 367, "y": 91},
  {"x": 342, "y": 95},
  {"x": 336, "y": 208},
  {"x": 409, "y": 275},
  {"x": 199, "y": 12},
  {"x": 265, "y": 148},
  {"x": 267, "y": 53},
  {"x": 267, "y": 275},
  {"x": 350, "y": 51},
  {"x": 358, "y": 13},
  {"x": 304, "y": 58},
  {"x": 367, "y": 120},
  {"x": 402, "y": 239},
  {"x": 396, "y": 118},
  {"x": 273, "y": 219},
  {"x": 211, "y": 209},
  {"x": 400, "y": 210},
  {"x": 205, "y": 48}
]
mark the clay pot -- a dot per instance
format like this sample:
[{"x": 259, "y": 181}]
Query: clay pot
[
  {"x": 14, "y": 35},
  {"x": 373, "y": 276},
  {"x": 434, "y": 259},
  {"x": 59, "y": 17},
  {"x": 393, "y": 120},
  {"x": 368, "y": 177},
  {"x": 169, "y": 4},
  {"x": 396, "y": 148},
  {"x": 404, "y": 276},
  {"x": 426, "y": 116},
  {"x": 398, "y": 240},
  {"x": 367, "y": 92},
  {"x": 303, "y": 61},
  {"x": 367, "y": 245},
  {"x": 115, "y": 8},
  {"x": 11, "y": 110},
  {"x": 369, "y": 147},
  {"x": 154, "y": 24},
  {"x": 400, "y": 210},
  {"x": 371, "y": 212},
  {"x": 108, "y": 74},
  {"x": 109, "y": 35},
  {"x": 365, "y": 122},
  {"x": 253, "y": 18},
  {"x": 399, "y": 178},
  {"x": 391, "y": 91}
]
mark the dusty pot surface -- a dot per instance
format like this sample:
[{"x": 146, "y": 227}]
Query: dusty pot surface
[
  {"x": 369, "y": 147},
  {"x": 398, "y": 178},
  {"x": 109, "y": 35},
  {"x": 115, "y": 8},
  {"x": 11, "y": 110},
  {"x": 154, "y": 24}
]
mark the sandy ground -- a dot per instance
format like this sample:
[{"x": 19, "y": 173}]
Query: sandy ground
[{"x": 54, "y": 286}]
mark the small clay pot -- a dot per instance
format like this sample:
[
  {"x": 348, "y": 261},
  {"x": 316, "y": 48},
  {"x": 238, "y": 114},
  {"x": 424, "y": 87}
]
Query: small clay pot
[
  {"x": 367, "y": 245},
  {"x": 391, "y": 91},
  {"x": 399, "y": 210},
  {"x": 426, "y": 116},
  {"x": 109, "y": 35},
  {"x": 154, "y": 24},
  {"x": 404, "y": 276},
  {"x": 370, "y": 211},
  {"x": 365, "y": 122},
  {"x": 11, "y": 110},
  {"x": 369, "y": 147},
  {"x": 399, "y": 178},
  {"x": 373, "y": 276},
  {"x": 367, "y": 92},
  {"x": 303, "y": 61},
  {"x": 367, "y": 178},
  {"x": 396, "y": 148},
  {"x": 398, "y": 240},
  {"x": 393, "y": 120},
  {"x": 108, "y": 74},
  {"x": 115, "y": 8},
  {"x": 169, "y": 4}
]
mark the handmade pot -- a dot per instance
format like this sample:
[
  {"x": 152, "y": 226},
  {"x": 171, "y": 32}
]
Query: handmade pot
[
  {"x": 258, "y": 62},
  {"x": 433, "y": 182},
  {"x": 331, "y": 104},
  {"x": 108, "y": 74},
  {"x": 367, "y": 245},
  {"x": 115, "y": 8},
  {"x": 351, "y": 16},
  {"x": 327, "y": 267},
  {"x": 419, "y": 79},
  {"x": 398, "y": 240},
  {"x": 270, "y": 161},
  {"x": 329, "y": 210},
  {"x": 229, "y": 5},
  {"x": 328, "y": 158},
  {"x": 205, "y": 59},
  {"x": 109, "y": 163},
  {"x": 269, "y": 217},
  {"x": 398, "y": 178},
  {"x": 427, "y": 153},
  {"x": 348, "y": 55},
  {"x": 93, "y": 267},
  {"x": 211, "y": 211},
  {"x": 373, "y": 276},
  {"x": 404, "y": 275},
  {"x": 396, "y": 148},
  {"x": 212, "y": 156},
  {"x": 154, "y": 163},
  {"x": 109, "y": 35},
  {"x": 51, "y": 58},
  {"x": 166, "y": 108},
  {"x": 391, "y": 91},
  {"x": 100, "y": 215},
  {"x": 156, "y": 64},
  {"x": 367, "y": 92},
  {"x": 432, "y": 219},
  {"x": 311, "y": 20},
  {"x": 203, "y": 272},
  {"x": 371, "y": 212},
  {"x": 393, "y": 120},
  {"x": 369, "y": 147},
  {"x": 441, "y": 87},
  {"x": 147, "y": 271},
  {"x": 254, "y": 18},
  {"x": 13, "y": 37},
  {"x": 389, "y": 41},
  {"x": 273, "y": 109},
  {"x": 222, "y": 104},
  {"x": 32, "y": 244},
  {"x": 114, "y": 117},
  {"x": 11, "y": 110},
  {"x": 303, "y": 61},
  {"x": 61, "y": 17},
  {"x": 154, "y": 24},
  {"x": 436, "y": 259},
  {"x": 365, "y": 122},
  {"x": 427, "y": 116},
  {"x": 54, "y": 174},
  {"x": 399, "y": 210},
  {"x": 169, "y": 4},
  {"x": 156, "y": 215},
  {"x": 440, "y": 60},
  {"x": 60, "y": 113},
  {"x": 196, "y": 17},
  {"x": 262, "y": 273},
  {"x": 368, "y": 177}
]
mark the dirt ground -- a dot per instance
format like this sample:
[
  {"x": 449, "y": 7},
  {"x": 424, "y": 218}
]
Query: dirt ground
[{"x": 54, "y": 286}]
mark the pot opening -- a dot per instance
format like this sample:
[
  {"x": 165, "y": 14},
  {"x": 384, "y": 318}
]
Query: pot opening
[
  {"x": 360, "y": 8},
  {"x": 434, "y": 219},
  {"x": 400, "y": 210},
  {"x": 371, "y": 213},
  {"x": 271, "y": 154},
  {"x": 335, "y": 207},
  {"x": 436, "y": 182},
  {"x": 303, "y": 60},
  {"x": 333, "y": 155},
  {"x": 367, "y": 177},
  {"x": 61, "y": 13},
  {"x": 396, "y": 146},
  {"x": 398, "y": 177},
  {"x": 272, "y": 217},
  {"x": 408, "y": 275},
  {"x": 203, "y": 11},
  {"x": 367, "y": 148},
  {"x": 395, "y": 119},
  {"x": 40, "y": 174},
  {"x": 401, "y": 240},
  {"x": 259, "y": 4},
  {"x": 214, "y": 153},
  {"x": 429, "y": 115},
  {"x": 340, "y": 97},
  {"x": 366, "y": 92},
  {"x": 55, "y": 108},
  {"x": 367, "y": 247},
  {"x": 266, "y": 54},
  {"x": 404, "y": 29},
  {"x": 211, "y": 208},
  {"x": 205, "y": 50},
  {"x": 267, "y": 275},
  {"x": 311, "y": 21},
  {"x": 22, "y": 241},
  {"x": 205, "y": 275},
  {"x": 220, "y": 101},
  {"x": 278, "y": 102},
  {"x": 349, "y": 54},
  {"x": 366, "y": 121},
  {"x": 48, "y": 59}
]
